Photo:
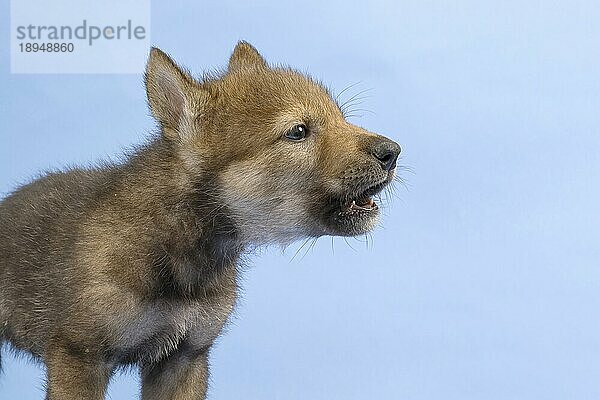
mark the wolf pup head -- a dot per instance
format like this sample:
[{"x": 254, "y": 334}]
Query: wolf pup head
[{"x": 286, "y": 162}]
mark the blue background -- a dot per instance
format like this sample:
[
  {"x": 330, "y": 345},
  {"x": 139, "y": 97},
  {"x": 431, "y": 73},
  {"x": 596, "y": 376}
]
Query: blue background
[{"x": 483, "y": 281}]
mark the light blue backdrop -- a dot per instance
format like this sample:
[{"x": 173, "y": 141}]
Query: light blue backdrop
[{"x": 484, "y": 280}]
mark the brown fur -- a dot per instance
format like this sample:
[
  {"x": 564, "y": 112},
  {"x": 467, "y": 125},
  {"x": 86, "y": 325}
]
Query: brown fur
[{"x": 136, "y": 263}]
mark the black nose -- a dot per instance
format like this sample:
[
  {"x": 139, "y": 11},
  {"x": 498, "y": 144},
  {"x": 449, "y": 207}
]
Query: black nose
[{"x": 386, "y": 152}]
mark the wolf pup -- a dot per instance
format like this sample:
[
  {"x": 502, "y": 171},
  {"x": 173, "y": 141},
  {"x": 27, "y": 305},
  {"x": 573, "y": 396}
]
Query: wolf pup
[{"x": 135, "y": 263}]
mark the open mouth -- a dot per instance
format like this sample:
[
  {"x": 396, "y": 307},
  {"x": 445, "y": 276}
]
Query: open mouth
[
  {"x": 354, "y": 212},
  {"x": 364, "y": 202}
]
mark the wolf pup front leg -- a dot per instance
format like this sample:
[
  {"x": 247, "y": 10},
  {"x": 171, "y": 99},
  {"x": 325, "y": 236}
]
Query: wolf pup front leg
[
  {"x": 74, "y": 376},
  {"x": 181, "y": 376}
]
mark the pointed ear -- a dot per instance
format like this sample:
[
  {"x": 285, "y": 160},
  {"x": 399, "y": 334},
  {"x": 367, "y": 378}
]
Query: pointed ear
[
  {"x": 170, "y": 92},
  {"x": 245, "y": 56}
]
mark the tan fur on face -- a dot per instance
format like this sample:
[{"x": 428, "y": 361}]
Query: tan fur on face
[
  {"x": 233, "y": 126},
  {"x": 270, "y": 183}
]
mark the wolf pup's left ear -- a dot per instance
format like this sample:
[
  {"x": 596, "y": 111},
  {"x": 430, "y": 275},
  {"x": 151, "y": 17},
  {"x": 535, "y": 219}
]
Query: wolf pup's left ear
[
  {"x": 245, "y": 56},
  {"x": 171, "y": 92}
]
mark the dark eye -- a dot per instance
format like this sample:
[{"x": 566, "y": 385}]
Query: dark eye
[{"x": 297, "y": 133}]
